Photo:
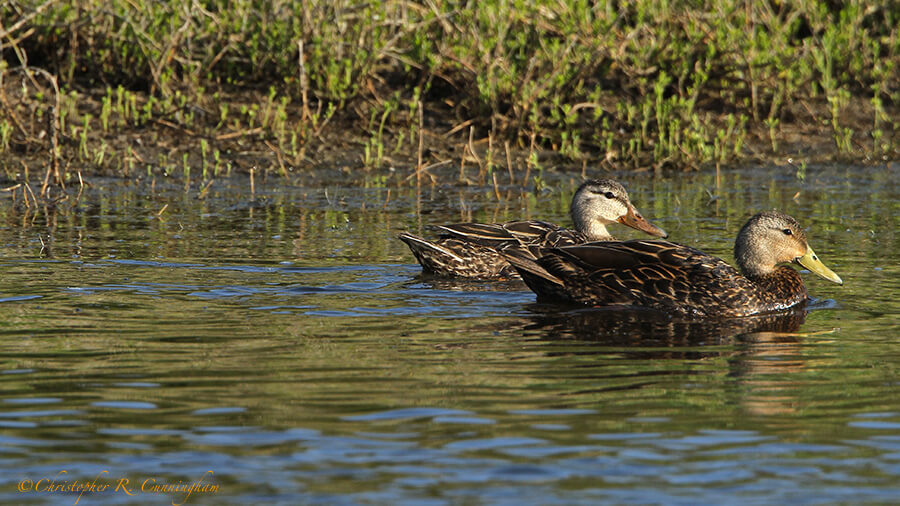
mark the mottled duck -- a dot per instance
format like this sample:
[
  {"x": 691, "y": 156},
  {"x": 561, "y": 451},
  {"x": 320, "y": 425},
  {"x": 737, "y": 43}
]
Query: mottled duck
[
  {"x": 678, "y": 279},
  {"x": 470, "y": 250}
]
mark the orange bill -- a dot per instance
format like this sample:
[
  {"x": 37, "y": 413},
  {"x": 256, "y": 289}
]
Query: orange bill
[{"x": 634, "y": 220}]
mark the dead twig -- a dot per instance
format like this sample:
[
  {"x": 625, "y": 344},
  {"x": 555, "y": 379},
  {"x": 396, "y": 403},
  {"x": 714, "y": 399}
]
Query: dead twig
[
  {"x": 277, "y": 157},
  {"x": 304, "y": 84},
  {"x": 12, "y": 113},
  {"x": 173, "y": 126},
  {"x": 232, "y": 135},
  {"x": 496, "y": 188},
  {"x": 530, "y": 158},
  {"x": 471, "y": 148},
  {"x": 419, "y": 162},
  {"x": 25, "y": 19},
  {"x": 53, "y": 127},
  {"x": 509, "y": 169},
  {"x": 425, "y": 170},
  {"x": 205, "y": 189},
  {"x": 386, "y": 200},
  {"x": 458, "y": 127},
  {"x": 28, "y": 187},
  {"x": 166, "y": 56}
]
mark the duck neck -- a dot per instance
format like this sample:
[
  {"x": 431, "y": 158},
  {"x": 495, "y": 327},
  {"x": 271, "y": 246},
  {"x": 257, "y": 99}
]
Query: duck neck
[
  {"x": 783, "y": 286},
  {"x": 754, "y": 259},
  {"x": 591, "y": 227},
  {"x": 596, "y": 231}
]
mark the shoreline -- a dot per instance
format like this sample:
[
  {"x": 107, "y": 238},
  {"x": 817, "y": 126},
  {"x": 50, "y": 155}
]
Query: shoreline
[{"x": 491, "y": 87}]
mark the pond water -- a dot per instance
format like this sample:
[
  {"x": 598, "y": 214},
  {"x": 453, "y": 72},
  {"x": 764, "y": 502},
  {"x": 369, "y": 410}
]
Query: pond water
[{"x": 283, "y": 346}]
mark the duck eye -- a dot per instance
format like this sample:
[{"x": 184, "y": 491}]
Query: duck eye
[
  {"x": 609, "y": 195},
  {"x": 787, "y": 231}
]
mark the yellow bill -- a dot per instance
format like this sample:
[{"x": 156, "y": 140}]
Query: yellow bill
[{"x": 812, "y": 262}]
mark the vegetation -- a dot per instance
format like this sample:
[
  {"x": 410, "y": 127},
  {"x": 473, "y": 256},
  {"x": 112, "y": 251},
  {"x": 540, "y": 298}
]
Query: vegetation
[{"x": 135, "y": 87}]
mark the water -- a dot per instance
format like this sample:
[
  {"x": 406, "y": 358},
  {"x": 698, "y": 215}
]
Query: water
[{"x": 285, "y": 342}]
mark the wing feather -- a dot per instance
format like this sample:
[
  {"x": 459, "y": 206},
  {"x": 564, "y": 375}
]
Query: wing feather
[{"x": 648, "y": 273}]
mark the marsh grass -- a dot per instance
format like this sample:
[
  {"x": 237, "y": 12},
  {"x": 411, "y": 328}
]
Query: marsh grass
[{"x": 165, "y": 86}]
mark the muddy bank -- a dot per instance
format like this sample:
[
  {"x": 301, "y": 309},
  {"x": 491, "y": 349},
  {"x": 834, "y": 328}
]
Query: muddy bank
[
  {"x": 375, "y": 91},
  {"x": 451, "y": 151}
]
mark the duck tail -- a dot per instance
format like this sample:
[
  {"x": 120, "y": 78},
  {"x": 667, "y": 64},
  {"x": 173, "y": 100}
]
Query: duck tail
[
  {"x": 525, "y": 260},
  {"x": 419, "y": 246},
  {"x": 431, "y": 256}
]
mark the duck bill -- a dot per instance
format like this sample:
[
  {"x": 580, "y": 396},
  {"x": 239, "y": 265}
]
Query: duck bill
[
  {"x": 812, "y": 262},
  {"x": 634, "y": 220}
]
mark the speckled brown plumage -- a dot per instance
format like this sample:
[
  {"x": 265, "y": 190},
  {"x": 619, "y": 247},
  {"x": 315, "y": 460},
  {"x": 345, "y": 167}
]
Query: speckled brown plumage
[
  {"x": 674, "y": 278},
  {"x": 470, "y": 250}
]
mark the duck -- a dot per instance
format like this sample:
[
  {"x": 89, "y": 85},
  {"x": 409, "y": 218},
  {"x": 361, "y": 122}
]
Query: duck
[
  {"x": 677, "y": 279},
  {"x": 470, "y": 250}
]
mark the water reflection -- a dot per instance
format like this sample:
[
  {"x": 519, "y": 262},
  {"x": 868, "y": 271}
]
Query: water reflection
[
  {"x": 764, "y": 353},
  {"x": 646, "y": 328},
  {"x": 287, "y": 342},
  {"x": 434, "y": 282}
]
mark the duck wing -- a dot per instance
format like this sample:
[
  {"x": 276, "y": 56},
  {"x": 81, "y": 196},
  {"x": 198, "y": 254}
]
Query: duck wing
[
  {"x": 498, "y": 234},
  {"x": 659, "y": 274}
]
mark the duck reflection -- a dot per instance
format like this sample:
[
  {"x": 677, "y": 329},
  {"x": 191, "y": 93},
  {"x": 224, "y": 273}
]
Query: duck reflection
[
  {"x": 434, "y": 282},
  {"x": 762, "y": 352},
  {"x": 648, "y": 328}
]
